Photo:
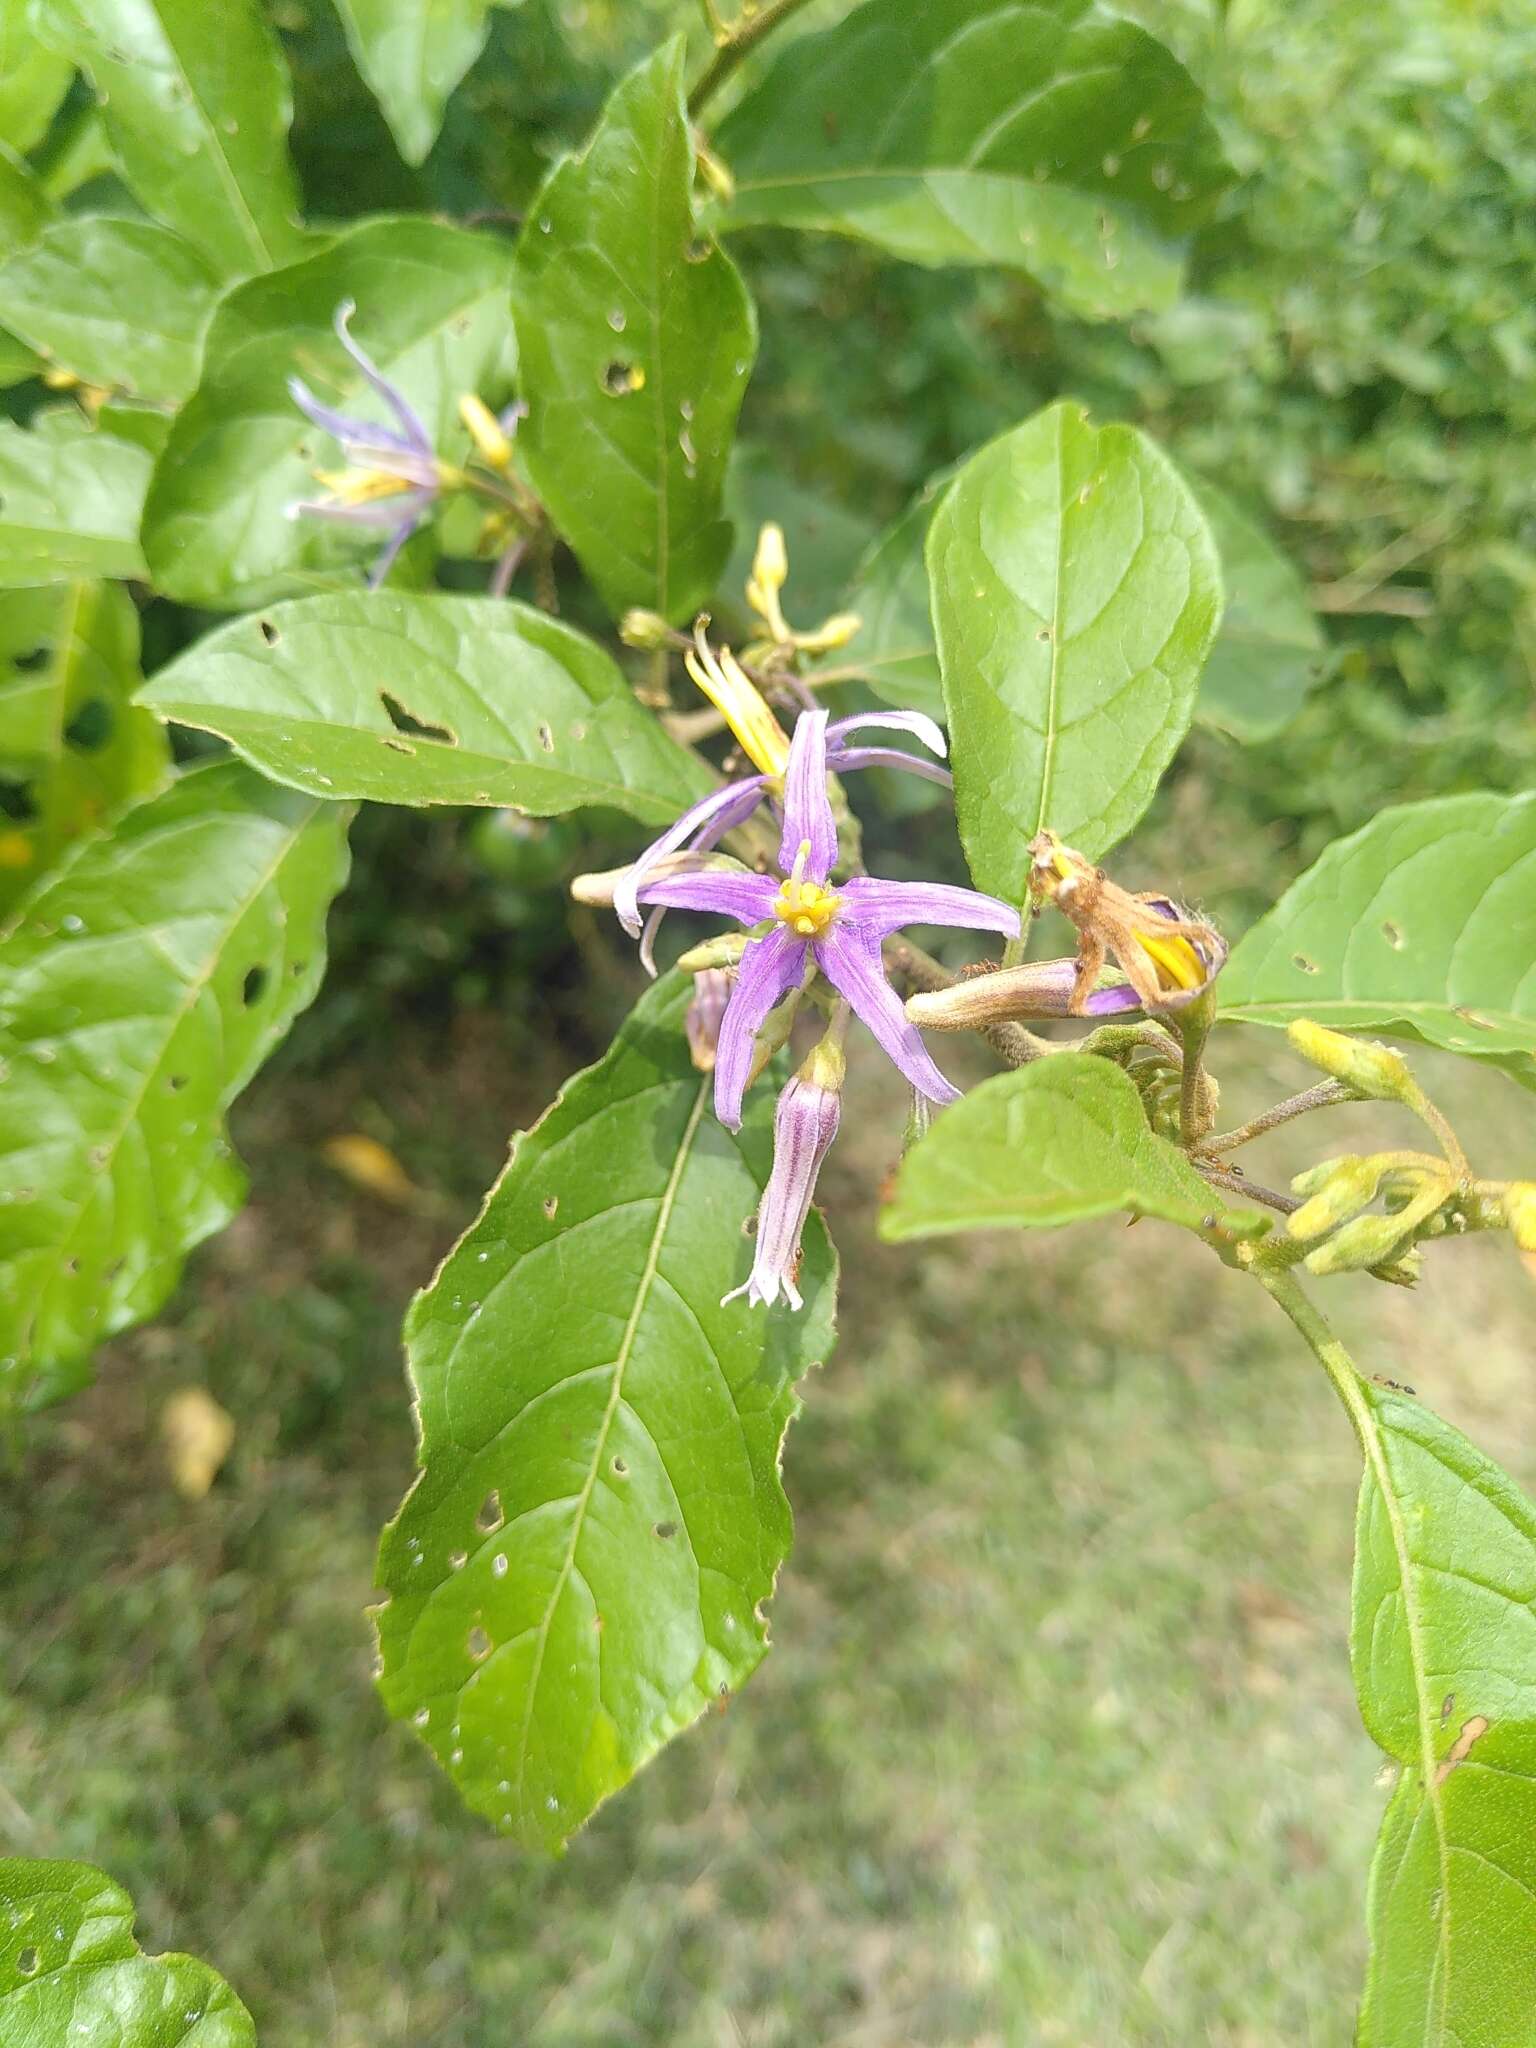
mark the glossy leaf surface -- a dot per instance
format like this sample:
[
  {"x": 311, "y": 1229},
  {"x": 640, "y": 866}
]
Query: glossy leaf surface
[
  {"x": 197, "y": 103},
  {"x": 579, "y": 1570},
  {"x": 1059, "y": 139},
  {"x": 1075, "y": 594},
  {"x": 412, "y": 53},
  {"x": 121, "y": 304},
  {"x": 1055, "y": 1142},
  {"x": 1443, "y": 1645},
  {"x": 431, "y": 311},
  {"x": 635, "y": 337},
  {"x": 69, "y": 504},
  {"x": 1422, "y": 923},
  {"x": 73, "y": 747},
  {"x": 73, "y": 1976},
  {"x": 142, "y": 986},
  {"x": 430, "y": 700}
]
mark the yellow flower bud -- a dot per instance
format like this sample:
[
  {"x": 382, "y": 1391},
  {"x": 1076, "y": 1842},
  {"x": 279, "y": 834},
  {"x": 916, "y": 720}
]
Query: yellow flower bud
[
  {"x": 1337, "y": 1190},
  {"x": 485, "y": 431},
  {"x": 770, "y": 565},
  {"x": 1520, "y": 1213},
  {"x": 830, "y": 634},
  {"x": 1375, "y": 1070},
  {"x": 643, "y": 629}
]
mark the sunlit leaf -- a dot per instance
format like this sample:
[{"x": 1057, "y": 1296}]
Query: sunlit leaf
[
  {"x": 142, "y": 986},
  {"x": 69, "y": 504},
  {"x": 430, "y": 700},
  {"x": 1055, "y": 1142},
  {"x": 25, "y": 208},
  {"x": 579, "y": 1570},
  {"x": 636, "y": 336},
  {"x": 197, "y": 103},
  {"x": 119, "y": 303},
  {"x": 1443, "y": 1645},
  {"x": 1422, "y": 923},
  {"x": 1075, "y": 595},
  {"x": 73, "y": 1976},
  {"x": 73, "y": 748},
  {"x": 33, "y": 80},
  {"x": 1058, "y": 139},
  {"x": 432, "y": 311},
  {"x": 412, "y": 53},
  {"x": 1270, "y": 650}
]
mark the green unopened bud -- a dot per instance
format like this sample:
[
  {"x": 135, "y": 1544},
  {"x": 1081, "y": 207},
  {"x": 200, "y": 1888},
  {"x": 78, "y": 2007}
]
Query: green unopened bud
[
  {"x": 826, "y": 1063},
  {"x": 644, "y": 629},
  {"x": 1336, "y": 1190},
  {"x": 724, "y": 950},
  {"x": 1376, "y": 1240},
  {"x": 1375, "y": 1070}
]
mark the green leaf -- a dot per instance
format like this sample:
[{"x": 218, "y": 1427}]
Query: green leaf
[
  {"x": 579, "y": 1570},
  {"x": 825, "y": 537},
  {"x": 1443, "y": 1644},
  {"x": 73, "y": 748},
  {"x": 1422, "y": 923},
  {"x": 894, "y": 647},
  {"x": 120, "y": 303},
  {"x": 430, "y": 700},
  {"x": 635, "y": 336},
  {"x": 25, "y": 208},
  {"x": 1076, "y": 594},
  {"x": 33, "y": 80},
  {"x": 197, "y": 103},
  {"x": 69, "y": 504},
  {"x": 1055, "y": 1142},
  {"x": 1270, "y": 650},
  {"x": 147, "y": 979},
  {"x": 72, "y": 1975},
  {"x": 431, "y": 311},
  {"x": 412, "y": 53},
  {"x": 1057, "y": 139}
]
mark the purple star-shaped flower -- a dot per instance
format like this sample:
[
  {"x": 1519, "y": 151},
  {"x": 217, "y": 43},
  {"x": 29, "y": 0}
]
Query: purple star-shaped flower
[
  {"x": 398, "y": 473},
  {"x": 837, "y": 929}
]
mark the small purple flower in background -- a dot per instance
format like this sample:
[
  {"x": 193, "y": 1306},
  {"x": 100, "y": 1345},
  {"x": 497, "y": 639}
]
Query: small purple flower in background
[
  {"x": 393, "y": 475},
  {"x": 814, "y": 924},
  {"x": 804, "y": 1125}
]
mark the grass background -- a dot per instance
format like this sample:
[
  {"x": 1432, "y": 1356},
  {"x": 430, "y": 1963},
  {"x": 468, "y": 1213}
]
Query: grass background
[{"x": 1057, "y": 1744}]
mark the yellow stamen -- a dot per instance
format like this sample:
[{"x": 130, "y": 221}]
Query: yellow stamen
[
  {"x": 806, "y": 907},
  {"x": 762, "y": 739},
  {"x": 1178, "y": 964},
  {"x": 361, "y": 486},
  {"x": 485, "y": 431}
]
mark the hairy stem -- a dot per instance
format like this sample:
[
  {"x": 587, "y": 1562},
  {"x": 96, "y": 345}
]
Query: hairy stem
[
  {"x": 1237, "y": 1183},
  {"x": 1323, "y": 1096},
  {"x": 747, "y": 33},
  {"x": 922, "y": 973}
]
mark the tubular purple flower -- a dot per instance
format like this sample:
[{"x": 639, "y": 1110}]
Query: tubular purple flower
[
  {"x": 804, "y": 1125},
  {"x": 816, "y": 925},
  {"x": 393, "y": 475}
]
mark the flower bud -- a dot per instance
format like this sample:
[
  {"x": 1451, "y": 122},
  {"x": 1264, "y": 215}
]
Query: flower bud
[
  {"x": 1337, "y": 1190},
  {"x": 1376, "y": 1071},
  {"x": 724, "y": 950},
  {"x": 648, "y": 630},
  {"x": 1520, "y": 1213},
  {"x": 485, "y": 431},
  {"x": 804, "y": 1125},
  {"x": 1367, "y": 1241},
  {"x": 830, "y": 634},
  {"x": 706, "y": 1007},
  {"x": 770, "y": 565}
]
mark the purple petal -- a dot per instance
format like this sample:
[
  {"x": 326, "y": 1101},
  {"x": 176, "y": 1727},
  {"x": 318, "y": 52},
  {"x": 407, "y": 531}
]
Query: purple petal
[
  {"x": 850, "y": 959},
  {"x": 344, "y": 427},
  {"x": 807, "y": 811},
  {"x": 741, "y": 895},
  {"x": 410, "y": 420},
  {"x": 884, "y": 907},
  {"x": 916, "y": 722},
  {"x": 375, "y": 512},
  {"x": 891, "y": 757},
  {"x": 392, "y": 547},
  {"x": 804, "y": 1125},
  {"x": 714, "y": 814},
  {"x": 769, "y": 969}
]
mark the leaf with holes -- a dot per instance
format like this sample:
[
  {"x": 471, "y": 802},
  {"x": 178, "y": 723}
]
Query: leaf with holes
[
  {"x": 71, "y": 1971},
  {"x": 143, "y": 984},
  {"x": 1076, "y": 594},
  {"x": 579, "y": 1570},
  {"x": 411, "y": 699},
  {"x": 635, "y": 338},
  {"x": 1443, "y": 1644},
  {"x": 1271, "y": 650},
  {"x": 196, "y": 102},
  {"x": 118, "y": 303},
  {"x": 412, "y": 53},
  {"x": 69, "y": 503},
  {"x": 1421, "y": 923},
  {"x": 73, "y": 747},
  {"x": 431, "y": 310},
  {"x": 1057, "y": 139},
  {"x": 1055, "y": 1142}
]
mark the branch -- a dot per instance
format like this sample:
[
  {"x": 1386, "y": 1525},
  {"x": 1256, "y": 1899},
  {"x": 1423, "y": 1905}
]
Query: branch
[{"x": 746, "y": 35}]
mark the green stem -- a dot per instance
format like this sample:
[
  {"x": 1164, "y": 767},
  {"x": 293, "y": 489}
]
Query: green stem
[
  {"x": 1282, "y": 1288},
  {"x": 745, "y": 36},
  {"x": 1323, "y": 1096}
]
